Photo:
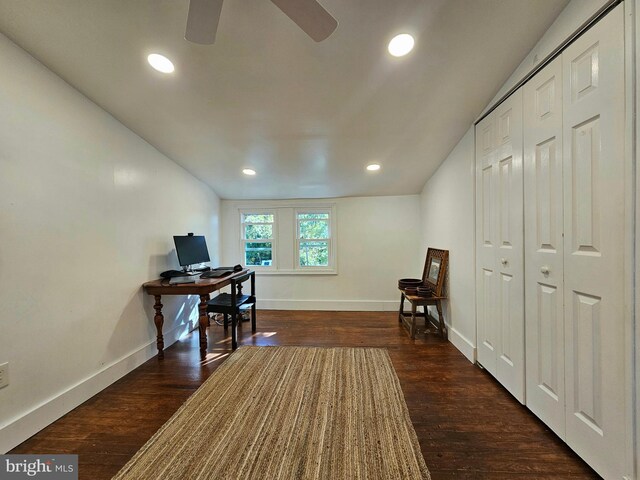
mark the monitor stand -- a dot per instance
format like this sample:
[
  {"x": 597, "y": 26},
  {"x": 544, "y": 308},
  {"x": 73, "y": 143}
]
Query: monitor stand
[{"x": 187, "y": 272}]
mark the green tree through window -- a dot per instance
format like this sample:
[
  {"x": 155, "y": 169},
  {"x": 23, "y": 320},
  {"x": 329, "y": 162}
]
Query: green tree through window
[
  {"x": 313, "y": 239},
  {"x": 257, "y": 238}
]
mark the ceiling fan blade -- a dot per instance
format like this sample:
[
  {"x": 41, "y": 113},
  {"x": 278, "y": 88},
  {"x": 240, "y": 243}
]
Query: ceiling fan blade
[
  {"x": 310, "y": 16},
  {"x": 202, "y": 21}
]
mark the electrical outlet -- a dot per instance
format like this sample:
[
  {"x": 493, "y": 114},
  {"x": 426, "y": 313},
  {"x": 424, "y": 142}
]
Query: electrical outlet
[{"x": 4, "y": 374}]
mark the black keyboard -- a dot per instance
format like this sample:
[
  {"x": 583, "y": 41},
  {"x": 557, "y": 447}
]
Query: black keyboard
[{"x": 216, "y": 273}]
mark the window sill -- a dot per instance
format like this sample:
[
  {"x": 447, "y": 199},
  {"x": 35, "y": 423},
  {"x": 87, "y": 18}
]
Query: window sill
[{"x": 296, "y": 272}]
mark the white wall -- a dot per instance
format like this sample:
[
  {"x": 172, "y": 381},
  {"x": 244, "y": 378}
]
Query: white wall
[
  {"x": 448, "y": 199},
  {"x": 448, "y": 211},
  {"x": 378, "y": 243},
  {"x": 87, "y": 214}
]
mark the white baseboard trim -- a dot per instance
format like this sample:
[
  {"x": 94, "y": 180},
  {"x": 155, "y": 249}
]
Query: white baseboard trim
[
  {"x": 462, "y": 343},
  {"x": 30, "y": 423},
  {"x": 332, "y": 305}
]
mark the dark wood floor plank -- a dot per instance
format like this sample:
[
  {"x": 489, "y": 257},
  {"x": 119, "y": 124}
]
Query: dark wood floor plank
[{"x": 468, "y": 426}]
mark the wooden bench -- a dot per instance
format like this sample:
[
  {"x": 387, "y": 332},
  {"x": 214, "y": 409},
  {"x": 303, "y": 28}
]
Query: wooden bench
[{"x": 433, "y": 277}]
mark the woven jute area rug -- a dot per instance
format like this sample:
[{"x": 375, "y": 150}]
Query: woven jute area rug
[{"x": 289, "y": 413}]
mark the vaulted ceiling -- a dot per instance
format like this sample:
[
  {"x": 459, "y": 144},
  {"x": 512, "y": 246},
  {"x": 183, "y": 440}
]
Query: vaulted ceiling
[{"x": 308, "y": 117}]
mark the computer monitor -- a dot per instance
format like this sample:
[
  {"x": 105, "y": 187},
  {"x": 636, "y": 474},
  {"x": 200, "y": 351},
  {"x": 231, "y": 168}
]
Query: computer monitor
[{"x": 191, "y": 249}]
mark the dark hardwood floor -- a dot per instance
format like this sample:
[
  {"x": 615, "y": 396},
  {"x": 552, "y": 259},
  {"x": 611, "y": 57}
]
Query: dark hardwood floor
[{"x": 469, "y": 427}]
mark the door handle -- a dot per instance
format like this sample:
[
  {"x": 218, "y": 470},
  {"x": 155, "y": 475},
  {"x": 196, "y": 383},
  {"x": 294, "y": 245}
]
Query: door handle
[
  {"x": 545, "y": 270},
  {"x": 504, "y": 261}
]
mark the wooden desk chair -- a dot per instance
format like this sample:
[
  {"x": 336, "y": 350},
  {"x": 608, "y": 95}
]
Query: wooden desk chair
[
  {"x": 234, "y": 304},
  {"x": 433, "y": 277}
]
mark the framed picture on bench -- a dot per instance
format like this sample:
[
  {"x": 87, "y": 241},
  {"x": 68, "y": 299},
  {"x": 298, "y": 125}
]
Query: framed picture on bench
[{"x": 435, "y": 268}]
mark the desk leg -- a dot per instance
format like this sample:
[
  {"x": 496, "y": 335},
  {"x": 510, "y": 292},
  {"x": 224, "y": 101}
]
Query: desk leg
[
  {"x": 203, "y": 325},
  {"x": 207, "y": 313},
  {"x": 159, "y": 321}
]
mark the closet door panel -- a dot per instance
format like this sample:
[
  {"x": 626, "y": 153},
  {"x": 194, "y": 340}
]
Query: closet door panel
[
  {"x": 593, "y": 71},
  {"x": 544, "y": 296},
  {"x": 510, "y": 261},
  {"x": 499, "y": 249},
  {"x": 486, "y": 140}
]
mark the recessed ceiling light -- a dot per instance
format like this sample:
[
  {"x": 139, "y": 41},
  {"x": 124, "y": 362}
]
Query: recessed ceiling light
[
  {"x": 401, "y": 44},
  {"x": 248, "y": 171},
  {"x": 373, "y": 167},
  {"x": 160, "y": 63}
]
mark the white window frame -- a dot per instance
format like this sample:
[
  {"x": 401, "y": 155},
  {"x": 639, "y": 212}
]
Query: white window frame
[
  {"x": 274, "y": 231},
  {"x": 330, "y": 240}
]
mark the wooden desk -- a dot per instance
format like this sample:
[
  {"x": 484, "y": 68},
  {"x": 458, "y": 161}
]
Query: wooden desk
[{"x": 203, "y": 287}]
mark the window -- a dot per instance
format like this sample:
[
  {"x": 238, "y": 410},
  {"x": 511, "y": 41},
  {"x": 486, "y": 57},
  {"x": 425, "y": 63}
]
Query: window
[
  {"x": 258, "y": 238},
  {"x": 313, "y": 239},
  {"x": 288, "y": 238}
]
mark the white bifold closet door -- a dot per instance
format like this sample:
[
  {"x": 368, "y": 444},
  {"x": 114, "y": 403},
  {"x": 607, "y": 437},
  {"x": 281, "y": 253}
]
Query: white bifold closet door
[
  {"x": 543, "y": 233},
  {"x": 574, "y": 164},
  {"x": 594, "y": 228},
  {"x": 499, "y": 245}
]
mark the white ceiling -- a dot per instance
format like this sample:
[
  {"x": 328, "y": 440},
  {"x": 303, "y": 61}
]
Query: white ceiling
[{"x": 307, "y": 116}]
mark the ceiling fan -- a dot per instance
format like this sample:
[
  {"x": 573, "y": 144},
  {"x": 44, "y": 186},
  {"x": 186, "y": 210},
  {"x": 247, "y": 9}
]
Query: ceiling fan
[{"x": 309, "y": 15}]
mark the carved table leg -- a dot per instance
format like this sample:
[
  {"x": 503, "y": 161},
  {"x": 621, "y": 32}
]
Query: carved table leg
[
  {"x": 158, "y": 319},
  {"x": 401, "y": 307},
  {"x": 207, "y": 313},
  {"x": 204, "y": 320},
  {"x": 239, "y": 317}
]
